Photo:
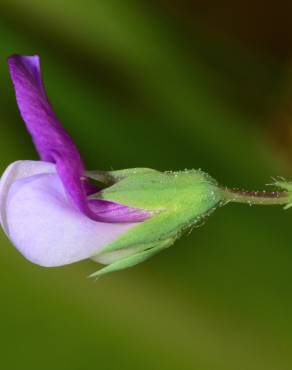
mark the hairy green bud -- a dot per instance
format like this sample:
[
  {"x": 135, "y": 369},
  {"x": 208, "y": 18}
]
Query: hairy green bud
[{"x": 177, "y": 201}]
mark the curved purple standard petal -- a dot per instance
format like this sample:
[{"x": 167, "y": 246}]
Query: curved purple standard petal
[
  {"x": 55, "y": 145},
  {"x": 51, "y": 140}
]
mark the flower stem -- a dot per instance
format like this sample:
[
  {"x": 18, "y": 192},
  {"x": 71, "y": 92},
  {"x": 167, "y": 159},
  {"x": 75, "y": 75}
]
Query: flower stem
[{"x": 257, "y": 197}]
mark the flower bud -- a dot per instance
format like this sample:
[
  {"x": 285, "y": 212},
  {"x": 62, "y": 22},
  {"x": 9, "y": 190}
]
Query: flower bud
[{"x": 176, "y": 200}]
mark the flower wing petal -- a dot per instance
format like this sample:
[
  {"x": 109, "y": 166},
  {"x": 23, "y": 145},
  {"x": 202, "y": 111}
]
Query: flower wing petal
[
  {"x": 15, "y": 171},
  {"x": 47, "y": 229}
]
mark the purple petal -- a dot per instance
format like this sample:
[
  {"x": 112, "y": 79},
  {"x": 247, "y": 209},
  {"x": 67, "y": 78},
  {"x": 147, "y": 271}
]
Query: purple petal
[
  {"x": 108, "y": 211},
  {"x": 42, "y": 222},
  {"x": 89, "y": 188},
  {"x": 52, "y": 141}
]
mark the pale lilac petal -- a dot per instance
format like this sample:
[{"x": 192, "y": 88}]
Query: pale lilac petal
[
  {"x": 53, "y": 142},
  {"x": 47, "y": 229},
  {"x": 15, "y": 171}
]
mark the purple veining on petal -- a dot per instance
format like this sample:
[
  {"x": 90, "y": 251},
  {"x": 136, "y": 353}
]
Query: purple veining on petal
[{"x": 54, "y": 144}]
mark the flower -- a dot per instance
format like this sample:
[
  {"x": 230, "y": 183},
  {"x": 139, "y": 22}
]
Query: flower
[
  {"x": 54, "y": 215},
  {"x": 45, "y": 209}
]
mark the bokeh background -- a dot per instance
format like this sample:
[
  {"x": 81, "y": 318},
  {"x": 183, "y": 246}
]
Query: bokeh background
[{"x": 168, "y": 85}]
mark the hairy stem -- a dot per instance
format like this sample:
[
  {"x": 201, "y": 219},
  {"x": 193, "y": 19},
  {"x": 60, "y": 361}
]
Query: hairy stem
[{"x": 257, "y": 197}]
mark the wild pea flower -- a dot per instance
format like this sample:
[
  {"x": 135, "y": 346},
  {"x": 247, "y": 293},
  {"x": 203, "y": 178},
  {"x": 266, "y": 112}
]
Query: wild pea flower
[{"x": 55, "y": 216}]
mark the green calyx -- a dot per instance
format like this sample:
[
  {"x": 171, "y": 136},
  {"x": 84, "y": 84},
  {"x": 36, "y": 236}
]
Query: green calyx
[{"x": 177, "y": 201}]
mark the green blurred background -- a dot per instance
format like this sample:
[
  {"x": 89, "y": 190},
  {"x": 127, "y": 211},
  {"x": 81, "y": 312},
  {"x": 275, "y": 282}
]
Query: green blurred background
[{"x": 167, "y": 85}]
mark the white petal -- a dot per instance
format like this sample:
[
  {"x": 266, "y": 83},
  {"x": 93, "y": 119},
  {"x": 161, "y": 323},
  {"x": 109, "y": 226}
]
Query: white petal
[{"x": 47, "y": 229}]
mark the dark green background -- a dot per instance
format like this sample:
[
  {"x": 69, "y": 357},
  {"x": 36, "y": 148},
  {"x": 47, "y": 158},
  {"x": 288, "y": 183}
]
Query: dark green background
[{"x": 165, "y": 85}]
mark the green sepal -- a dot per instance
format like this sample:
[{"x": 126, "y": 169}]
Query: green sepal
[
  {"x": 133, "y": 259},
  {"x": 177, "y": 201},
  {"x": 286, "y": 185},
  {"x": 111, "y": 177}
]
